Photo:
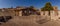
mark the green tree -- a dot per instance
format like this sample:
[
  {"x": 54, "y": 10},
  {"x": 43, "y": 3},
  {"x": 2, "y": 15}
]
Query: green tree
[{"x": 47, "y": 7}]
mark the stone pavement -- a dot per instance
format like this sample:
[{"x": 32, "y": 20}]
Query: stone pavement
[{"x": 26, "y": 22}]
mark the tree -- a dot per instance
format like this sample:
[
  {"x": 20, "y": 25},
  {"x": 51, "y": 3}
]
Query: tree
[{"x": 47, "y": 7}]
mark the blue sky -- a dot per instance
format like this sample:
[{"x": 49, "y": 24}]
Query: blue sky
[{"x": 36, "y": 3}]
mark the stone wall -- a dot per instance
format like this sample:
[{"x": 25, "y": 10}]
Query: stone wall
[
  {"x": 34, "y": 19},
  {"x": 7, "y": 13},
  {"x": 46, "y": 13},
  {"x": 20, "y": 13},
  {"x": 53, "y": 14}
]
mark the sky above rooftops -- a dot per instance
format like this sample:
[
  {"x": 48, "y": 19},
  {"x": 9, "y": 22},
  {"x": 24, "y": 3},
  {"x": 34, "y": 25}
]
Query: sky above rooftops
[{"x": 36, "y": 3}]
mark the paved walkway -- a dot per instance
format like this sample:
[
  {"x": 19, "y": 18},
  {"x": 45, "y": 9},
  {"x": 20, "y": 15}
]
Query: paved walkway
[{"x": 21, "y": 22}]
